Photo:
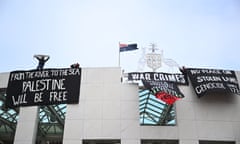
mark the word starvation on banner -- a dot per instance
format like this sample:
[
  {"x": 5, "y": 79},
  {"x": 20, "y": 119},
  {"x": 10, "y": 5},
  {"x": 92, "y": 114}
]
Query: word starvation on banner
[
  {"x": 43, "y": 87},
  {"x": 213, "y": 80},
  {"x": 156, "y": 76}
]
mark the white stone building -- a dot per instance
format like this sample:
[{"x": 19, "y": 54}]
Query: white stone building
[{"x": 108, "y": 112}]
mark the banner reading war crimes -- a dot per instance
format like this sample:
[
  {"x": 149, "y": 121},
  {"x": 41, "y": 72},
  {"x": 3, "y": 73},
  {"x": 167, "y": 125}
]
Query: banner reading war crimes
[
  {"x": 43, "y": 87},
  {"x": 162, "y": 85},
  {"x": 210, "y": 80},
  {"x": 154, "y": 76}
]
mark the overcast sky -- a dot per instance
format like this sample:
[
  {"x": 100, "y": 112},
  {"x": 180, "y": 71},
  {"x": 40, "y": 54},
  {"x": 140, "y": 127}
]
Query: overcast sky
[{"x": 194, "y": 33}]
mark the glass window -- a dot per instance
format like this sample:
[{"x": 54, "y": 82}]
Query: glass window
[
  {"x": 159, "y": 142},
  {"x": 154, "y": 111},
  {"x": 216, "y": 142},
  {"x": 101, "y": 142},
  {"x": 51, "y": 124},
  {"x": 8, "y": 120}
]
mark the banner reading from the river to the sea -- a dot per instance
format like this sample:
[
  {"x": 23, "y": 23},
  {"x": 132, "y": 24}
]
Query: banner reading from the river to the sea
[
  {"x": 43, "y": 87},
  {"x": 213, "y": 80}
]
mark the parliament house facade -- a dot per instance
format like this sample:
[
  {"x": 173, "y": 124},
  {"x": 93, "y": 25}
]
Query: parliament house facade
[{"x": 111, "y": 109}]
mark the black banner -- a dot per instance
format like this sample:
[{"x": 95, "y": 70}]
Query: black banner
[
  {"x": 167, "y": 87},
  {"x": 213, "y": 80},
  {"x": 154, "y": 76},
  {"x": 43, "y": 87}
]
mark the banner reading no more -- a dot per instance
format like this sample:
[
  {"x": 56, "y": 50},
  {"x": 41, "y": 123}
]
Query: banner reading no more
[{"x": 43, "y": 87}]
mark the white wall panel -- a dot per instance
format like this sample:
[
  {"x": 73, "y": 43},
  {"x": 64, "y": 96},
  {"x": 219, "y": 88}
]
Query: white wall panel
[{"x": 108, "y": 109}]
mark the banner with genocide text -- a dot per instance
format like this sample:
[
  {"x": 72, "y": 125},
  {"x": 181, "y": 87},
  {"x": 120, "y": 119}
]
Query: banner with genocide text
[{"x": 212, "y": 80}]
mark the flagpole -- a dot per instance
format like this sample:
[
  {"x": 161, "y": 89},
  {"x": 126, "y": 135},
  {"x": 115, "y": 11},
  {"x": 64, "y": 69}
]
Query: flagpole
[{"x": 118, "y": 54}]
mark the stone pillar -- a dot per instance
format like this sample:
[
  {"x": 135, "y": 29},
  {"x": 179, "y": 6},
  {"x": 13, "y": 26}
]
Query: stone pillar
[{"x": 27, "y": 125}]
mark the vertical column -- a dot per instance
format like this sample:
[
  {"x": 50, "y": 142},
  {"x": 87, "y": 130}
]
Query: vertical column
[
  {"x": 130, "y": 126},
  {"x": 27, "y": 125}
]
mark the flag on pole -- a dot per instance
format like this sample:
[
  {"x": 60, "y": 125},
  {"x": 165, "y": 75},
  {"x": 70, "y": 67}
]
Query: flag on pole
[{"x": 127, "y": 47}]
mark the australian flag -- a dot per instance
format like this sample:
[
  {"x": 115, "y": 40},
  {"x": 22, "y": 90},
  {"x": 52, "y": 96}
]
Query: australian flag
[{"x": 127, "y": 47}]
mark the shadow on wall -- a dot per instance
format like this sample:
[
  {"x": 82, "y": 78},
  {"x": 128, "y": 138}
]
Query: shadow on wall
[{"x": 219, "y": 98}]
